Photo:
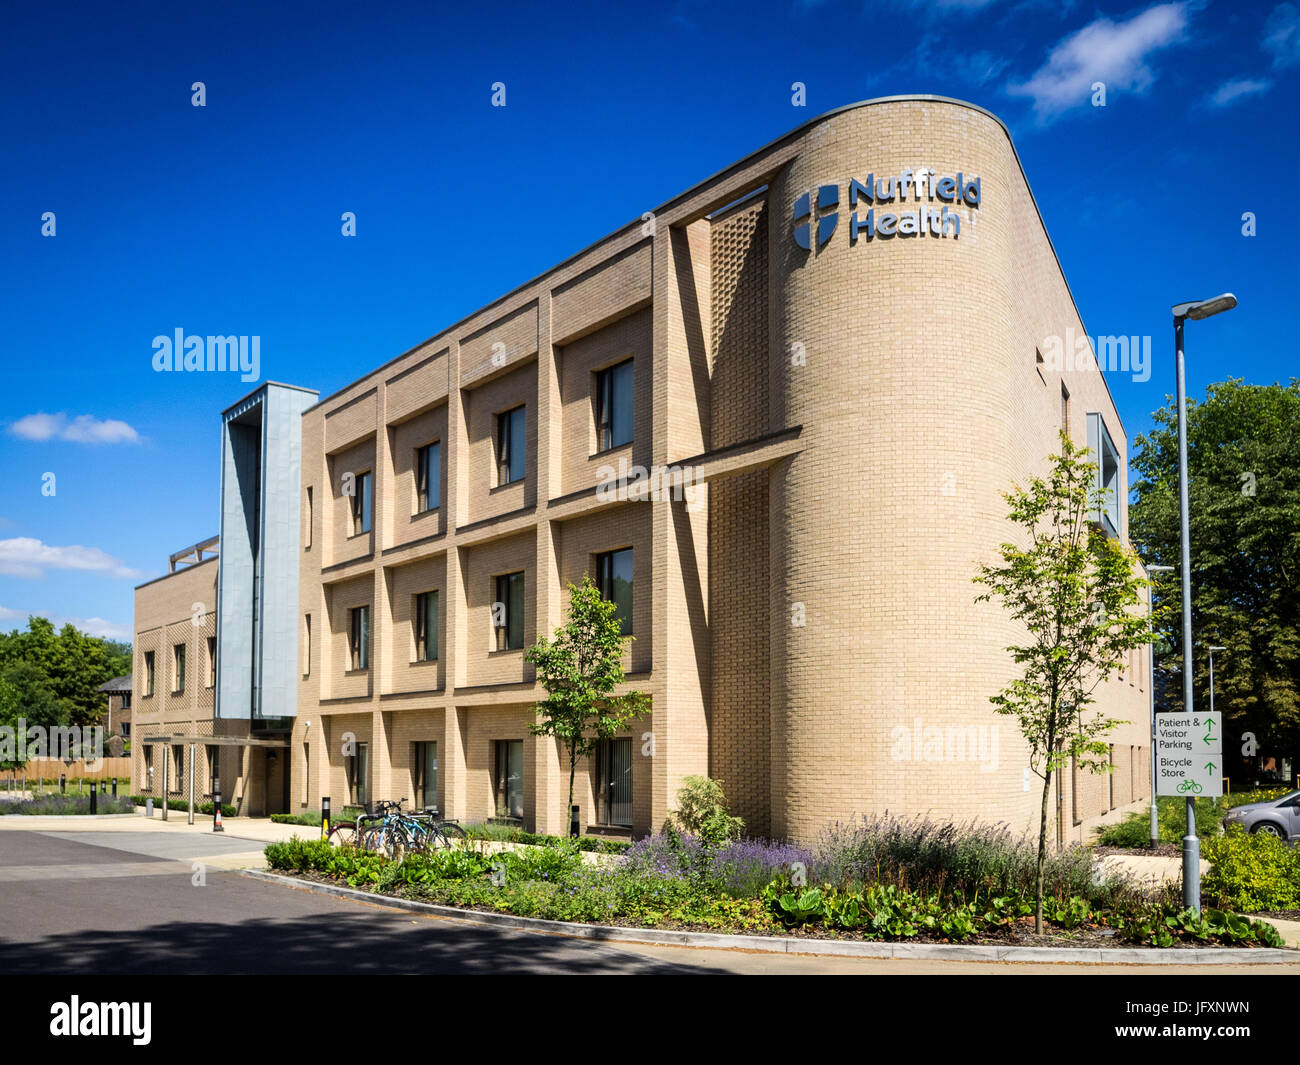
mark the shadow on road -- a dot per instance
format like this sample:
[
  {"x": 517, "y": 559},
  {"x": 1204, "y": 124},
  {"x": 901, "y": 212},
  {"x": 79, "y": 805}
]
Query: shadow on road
[{"x": 364, "y": 942}]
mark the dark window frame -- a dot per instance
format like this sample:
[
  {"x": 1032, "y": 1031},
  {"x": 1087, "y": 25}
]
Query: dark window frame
[
  {"x": 605, "y": 578},
  {"x": 428, "y": 483},
  {"x": 421, "y": 620},
  {"x": 510, "y": 438},
  {"x": 509, "y": 636},
  {"x": 609, "y": 411},
  {"x": 363, "y": 485},
  {"x": 504, "y": 752},
  {"x": 358, "y": 638}
]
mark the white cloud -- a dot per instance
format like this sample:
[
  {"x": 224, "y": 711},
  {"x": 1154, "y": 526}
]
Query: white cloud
[
  {"x": 110, "y": 630},
  {"x": 1114, "y": 53},
  {"x": 97, "y": 627},
  {"x": 1231, "y": 92},
  {"x": 25, "y": 556},
  {"x": 83, "y": 429},
  {"x": 1282, "y": 35}
]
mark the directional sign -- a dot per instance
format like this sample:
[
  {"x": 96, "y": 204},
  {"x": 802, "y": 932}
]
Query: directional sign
[{"x": 1189, "y": 755}]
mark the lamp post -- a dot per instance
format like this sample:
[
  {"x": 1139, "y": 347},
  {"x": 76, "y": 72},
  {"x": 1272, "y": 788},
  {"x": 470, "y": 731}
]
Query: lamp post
[
  {"x": 1195, "y": 310},
  {"x": 1151, "y": 690},
  {"x": 1212, "y": 650}
]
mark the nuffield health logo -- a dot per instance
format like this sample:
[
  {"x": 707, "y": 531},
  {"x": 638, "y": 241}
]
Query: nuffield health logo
[
  {"x": 828, "y": 197},
  {"x": 922, "y": 187}
]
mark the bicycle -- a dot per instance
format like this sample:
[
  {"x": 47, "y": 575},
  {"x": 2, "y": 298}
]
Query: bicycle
[
  {"x": 387, "y": 835},
  {"x": 426, "y": 831},
  {"x": 397, "y": 834}
]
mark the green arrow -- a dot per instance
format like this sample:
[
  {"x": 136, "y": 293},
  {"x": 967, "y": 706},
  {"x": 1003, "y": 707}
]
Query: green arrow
[
  {"x": 1207, "y": 738},
  {"x": 1209, "y": 724},
  {"x": 1209, "y": 766}
]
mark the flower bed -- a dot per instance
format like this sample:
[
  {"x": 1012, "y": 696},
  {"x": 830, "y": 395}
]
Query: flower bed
[{"x": 749, "y": 886}]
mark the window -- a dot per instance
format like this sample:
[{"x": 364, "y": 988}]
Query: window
[
  {"x": 508, "y": 612},
  {"x": 359, "y": 776},
  {"x": 614, "y": 782},
  {"x": 306, "y": 536},
  {"x": 511, "y": 442},
  {"x": 359, "y": 637},
  {"x": 614, "y": 406},
  {"x": 306, "y": 646},
  {"x": 126, "y": 729},
  {"x": 176, "y": 784},
  {"x": 214, "y": 769},
  {"x": 426, "y": 627},
  {"x": 1106, "y": 489},
  {"x": 212, "y": 661},
  {"x": 508, "y": 780},
  {"x": 428, "y": 477},
  {"x": 178, "y": 669},
  {"x": 614, "y": 579},
  {"x": 148, "y": 673},
  {"x": 126, "y": 701},
  {"x": 361, "y": 503},
  {"x": 426, "y": 775},
  {"x": 1065, "y": 409}
]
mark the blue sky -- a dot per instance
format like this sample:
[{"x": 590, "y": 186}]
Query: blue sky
[{"x": 225, "y": 219}]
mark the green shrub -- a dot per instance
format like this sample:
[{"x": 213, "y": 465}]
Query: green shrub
[
  {"x": 1171, "y": 811},
  {"x": 1134, "y": 831},
  {"x": 702, "y": 812},
  {"x": 515, "y": 834},
  {"x": 311, "y": 819},
  {"x": 1252, "y": 872},
  {"x": 65, "y": 805},
  {"x": 205, "y": 808},
  {"x": 962, "y": 862}
]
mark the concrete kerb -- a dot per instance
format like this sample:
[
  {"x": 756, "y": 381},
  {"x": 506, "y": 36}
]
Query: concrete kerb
[{"x": 775, "y": 945}]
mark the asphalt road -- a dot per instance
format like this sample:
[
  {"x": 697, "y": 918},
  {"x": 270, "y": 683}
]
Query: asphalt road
[{"x": 120, "y": 903}]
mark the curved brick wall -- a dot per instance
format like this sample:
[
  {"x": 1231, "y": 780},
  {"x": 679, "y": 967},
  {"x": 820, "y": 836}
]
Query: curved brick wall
[{"x": 908, "y": 391}]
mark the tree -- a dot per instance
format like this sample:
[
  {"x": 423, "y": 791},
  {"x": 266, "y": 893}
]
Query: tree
[
  {"x": 72, "y": 665},
  {"x": 1243, "y": 457},
  {"x": 26, "y": 702},
  {"x": 1077, "y": 593},
  {"x": 580, "y": 670}
]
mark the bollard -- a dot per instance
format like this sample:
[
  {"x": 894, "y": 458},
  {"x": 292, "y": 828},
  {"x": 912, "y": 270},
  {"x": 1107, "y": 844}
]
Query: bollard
[
  {"x": 573, "y": 822},
  {"x": 115, "y": 787},
  {"x": 148, "y": 806},
  {"x": 94, "y": 804},
  {"x": 216, "y": 811},
  {"x": 324, "y": 817},
  {"x": 63, "y": 783}
]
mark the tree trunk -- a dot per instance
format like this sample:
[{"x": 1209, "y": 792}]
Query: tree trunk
[
  {"x": 573, "y": 762},
  {"x": 1042, "y": 853}
]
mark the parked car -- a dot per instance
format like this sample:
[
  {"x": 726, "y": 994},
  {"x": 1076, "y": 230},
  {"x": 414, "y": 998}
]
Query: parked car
[{"x": 1277, "y": 817}]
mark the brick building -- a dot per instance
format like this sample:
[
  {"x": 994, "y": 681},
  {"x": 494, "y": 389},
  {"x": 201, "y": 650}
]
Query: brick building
[{"x": 843, "y": 343}]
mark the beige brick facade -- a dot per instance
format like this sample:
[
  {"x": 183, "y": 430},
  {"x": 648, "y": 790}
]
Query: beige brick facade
[{"x": 852, "y": 414}]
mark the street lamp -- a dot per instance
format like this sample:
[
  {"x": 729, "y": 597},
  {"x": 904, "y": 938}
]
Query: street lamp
[
  {"x": 1212, "y": 650},
  {"x": 1195, "y": 310},
  {"x": 1151, "y": 690}
]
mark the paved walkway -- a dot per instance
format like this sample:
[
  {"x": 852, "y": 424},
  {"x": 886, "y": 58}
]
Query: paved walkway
[{"x": 240, "y": 846}]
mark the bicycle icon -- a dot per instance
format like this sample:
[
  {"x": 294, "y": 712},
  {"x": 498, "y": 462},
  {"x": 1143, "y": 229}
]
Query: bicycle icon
[{"x": 1189, "y": 786}]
